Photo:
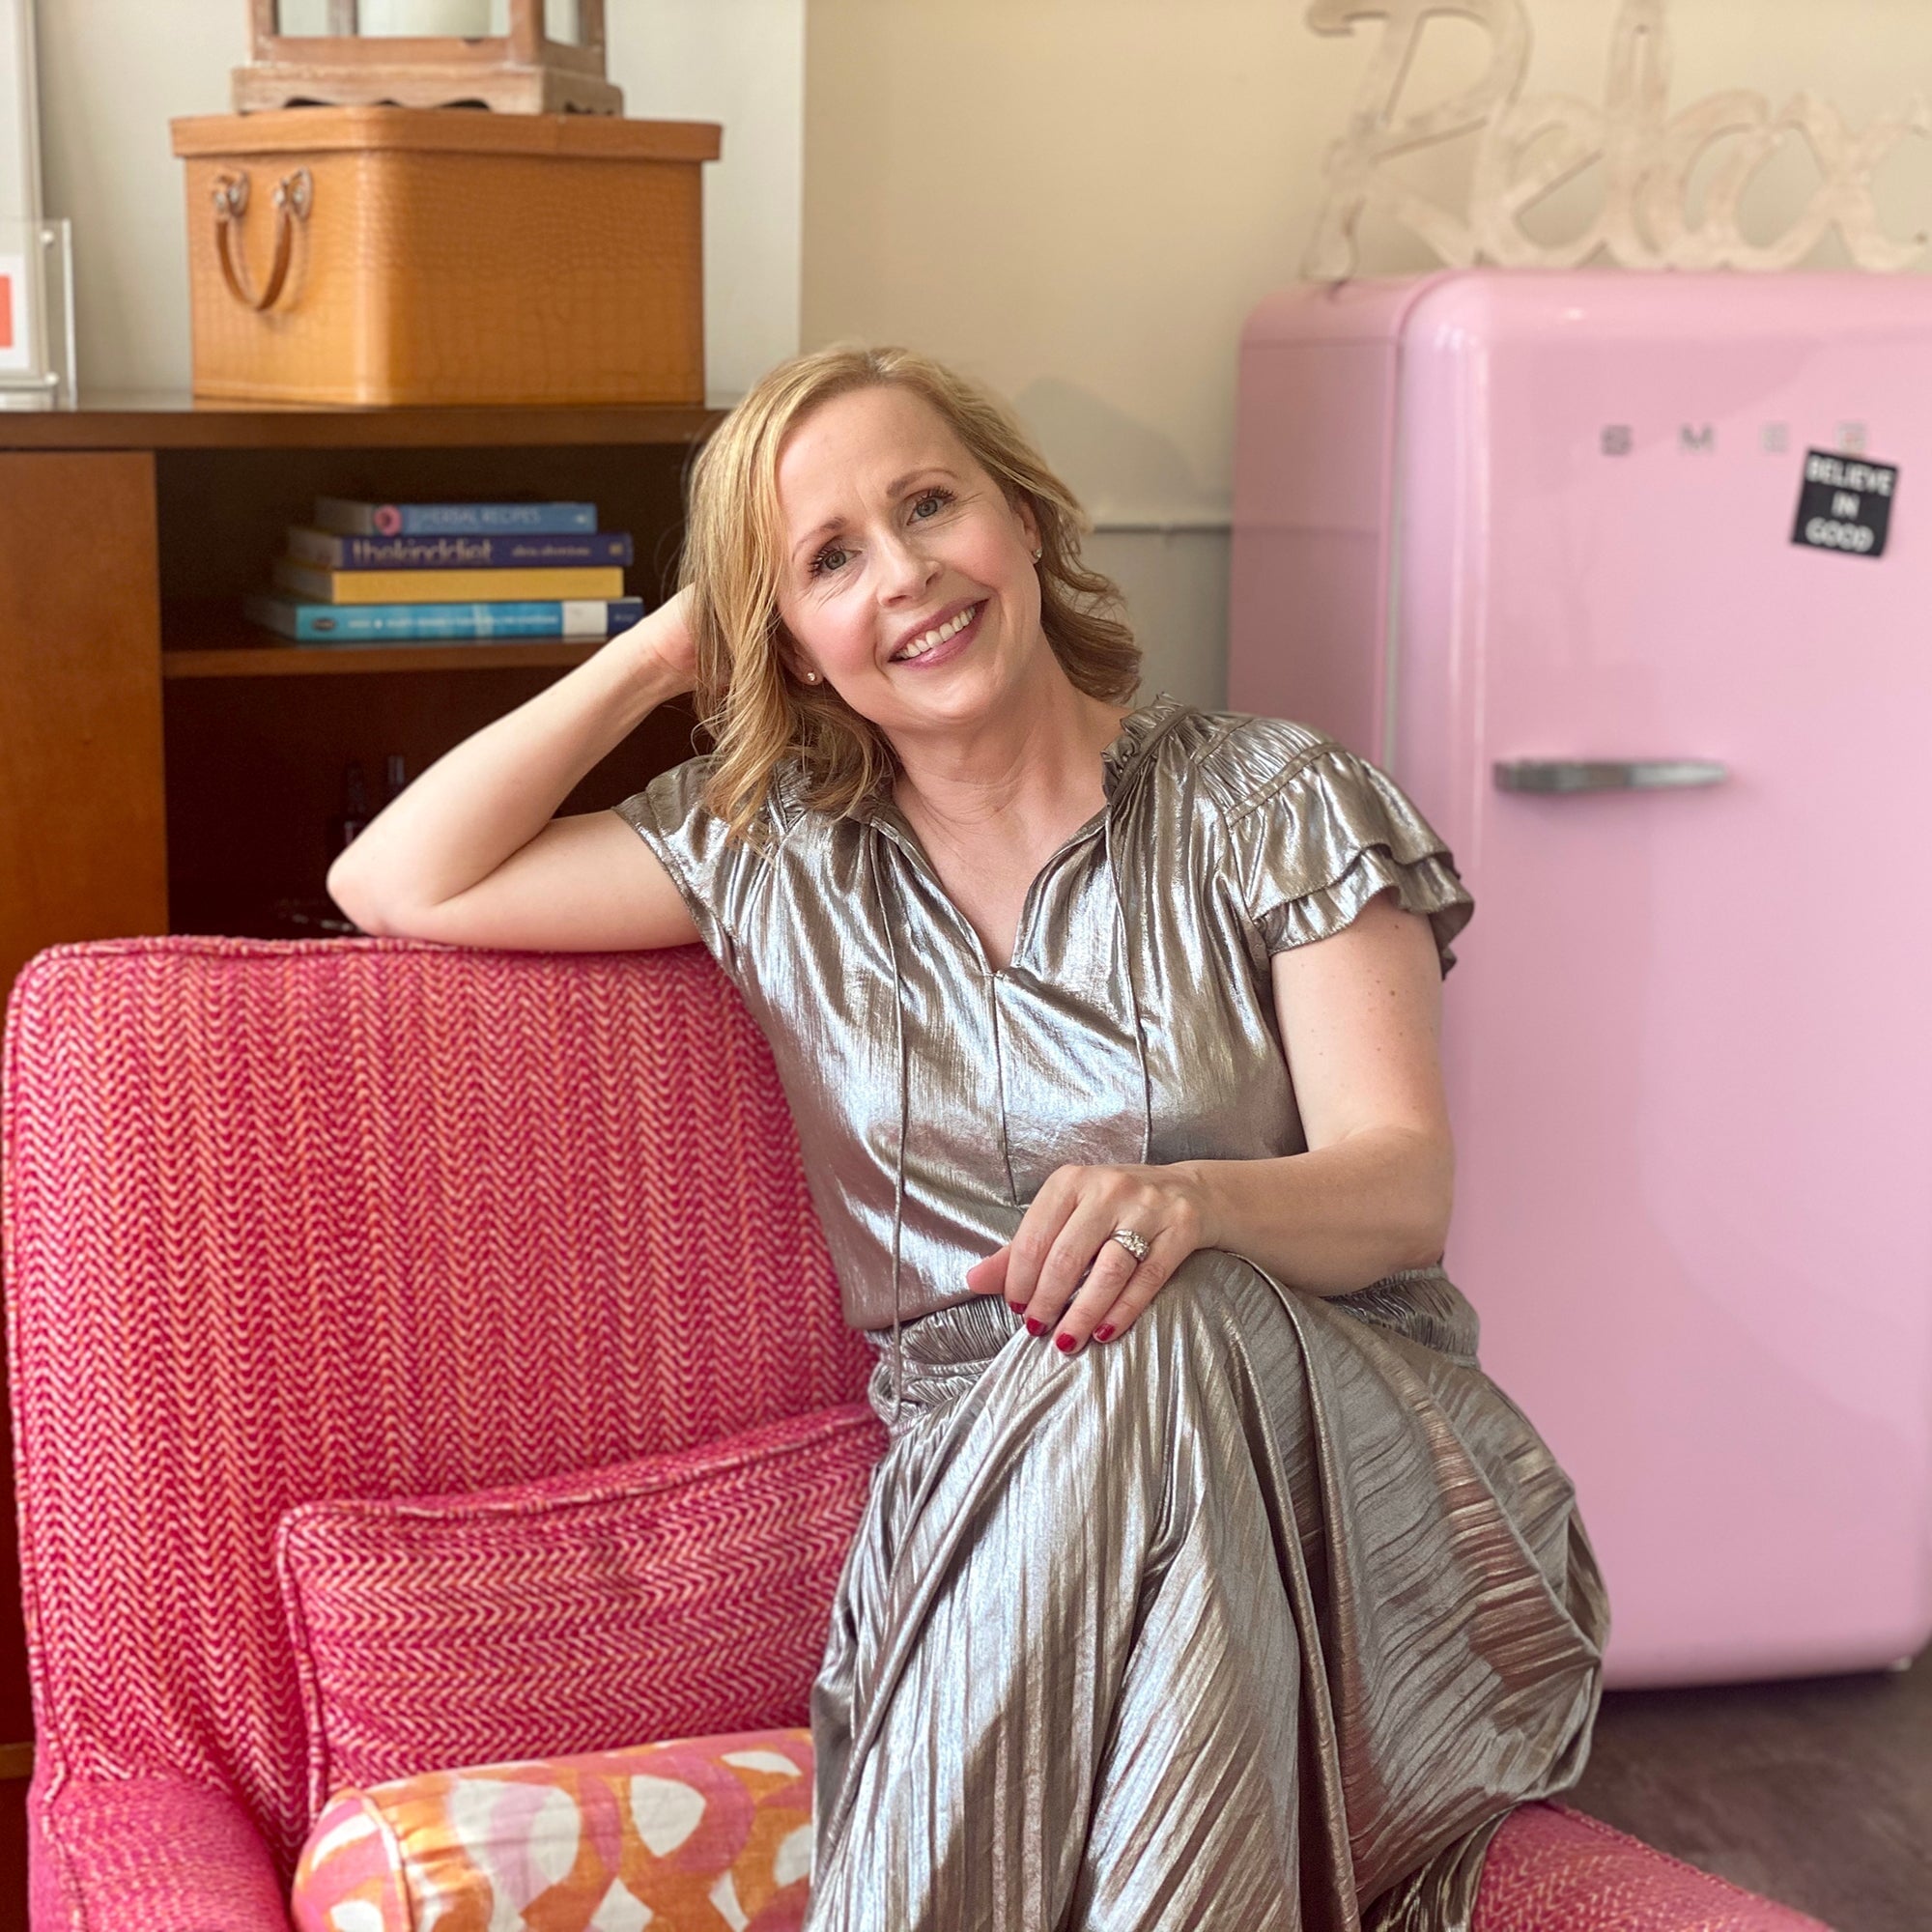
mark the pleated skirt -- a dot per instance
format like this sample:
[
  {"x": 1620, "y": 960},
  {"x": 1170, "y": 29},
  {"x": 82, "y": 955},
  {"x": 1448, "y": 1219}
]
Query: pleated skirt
[{"x": 1263, "y": 1615}]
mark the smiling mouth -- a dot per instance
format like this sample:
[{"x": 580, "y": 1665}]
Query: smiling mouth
[{"x": 934, "y": 643}]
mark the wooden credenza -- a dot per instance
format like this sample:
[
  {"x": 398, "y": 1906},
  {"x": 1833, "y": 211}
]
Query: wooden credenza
[{"x": 167, "y": 767}]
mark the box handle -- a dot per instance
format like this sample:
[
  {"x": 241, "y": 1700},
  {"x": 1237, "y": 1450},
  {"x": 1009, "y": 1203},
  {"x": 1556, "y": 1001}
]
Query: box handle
[{"x": 295, "y": 195}]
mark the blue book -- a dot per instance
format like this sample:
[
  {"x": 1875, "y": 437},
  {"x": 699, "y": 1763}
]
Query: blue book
[
  {"x": 348, "y": 518},
  {"x": 325, "y": 551},
  {"x": 311, "y": 623}
]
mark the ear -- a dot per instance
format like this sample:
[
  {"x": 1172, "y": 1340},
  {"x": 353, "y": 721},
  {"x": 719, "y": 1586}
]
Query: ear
[
  {"x": 791, "y": 657},
  {"x": 1028, "y": 522}
]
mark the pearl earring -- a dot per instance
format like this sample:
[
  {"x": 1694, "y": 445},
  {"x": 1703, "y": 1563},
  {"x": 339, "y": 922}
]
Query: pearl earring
[
  {"x": 1035, "y": 556},
  {"x": 812, "y": 677}
]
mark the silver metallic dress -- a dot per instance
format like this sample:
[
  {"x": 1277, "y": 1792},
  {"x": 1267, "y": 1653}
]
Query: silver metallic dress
[{"x": 1261, "y": 1615}]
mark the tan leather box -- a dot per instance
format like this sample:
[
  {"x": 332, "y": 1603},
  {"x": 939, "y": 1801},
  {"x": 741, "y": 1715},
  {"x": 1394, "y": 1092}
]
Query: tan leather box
[{"x": 391, "y": 255}]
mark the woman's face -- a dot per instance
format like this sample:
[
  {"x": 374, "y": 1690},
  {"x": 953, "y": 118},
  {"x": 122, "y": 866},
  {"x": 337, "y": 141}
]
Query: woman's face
[{"x": 892, "y": 532}]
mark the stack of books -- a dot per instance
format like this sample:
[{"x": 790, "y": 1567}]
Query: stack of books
[{"x": 402, "y": 573}]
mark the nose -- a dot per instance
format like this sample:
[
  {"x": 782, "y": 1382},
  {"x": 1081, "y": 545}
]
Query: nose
[{"x": 904, "y": 567}]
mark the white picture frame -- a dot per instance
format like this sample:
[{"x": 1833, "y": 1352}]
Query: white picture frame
[
  {"x": 19, "y": 188},
  {"x": 35, "y": 260},
  {"x": 19, "y": 115}
]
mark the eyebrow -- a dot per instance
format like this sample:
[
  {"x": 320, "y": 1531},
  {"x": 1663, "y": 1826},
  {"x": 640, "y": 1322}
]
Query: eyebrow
[{"x": 896, "y": 488}]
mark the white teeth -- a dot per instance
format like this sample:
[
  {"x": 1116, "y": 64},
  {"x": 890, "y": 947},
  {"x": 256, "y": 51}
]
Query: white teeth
[{"x": 919, "y": 647}]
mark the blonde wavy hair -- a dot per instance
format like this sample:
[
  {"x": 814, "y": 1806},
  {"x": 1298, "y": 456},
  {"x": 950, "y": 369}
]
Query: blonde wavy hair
[{"x": 758, "y": 712}]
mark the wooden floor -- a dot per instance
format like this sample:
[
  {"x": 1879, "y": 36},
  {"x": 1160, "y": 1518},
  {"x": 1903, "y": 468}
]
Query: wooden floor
[{"x": 1816, "y": 1792}]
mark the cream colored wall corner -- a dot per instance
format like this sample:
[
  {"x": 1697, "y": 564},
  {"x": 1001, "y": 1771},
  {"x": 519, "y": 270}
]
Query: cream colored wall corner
[
  {"x": 1079, "y": 201},
  {"x": 113, "y": 73}
]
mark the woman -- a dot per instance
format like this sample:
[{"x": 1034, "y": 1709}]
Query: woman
[{"x": 1206, "y": 1579}]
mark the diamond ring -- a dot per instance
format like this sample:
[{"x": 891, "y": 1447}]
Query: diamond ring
[{"x": 1135, "y": 1243}]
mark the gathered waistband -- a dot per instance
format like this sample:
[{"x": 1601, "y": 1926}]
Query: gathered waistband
[
  {"x": 945, "y": 1350},
  {"x": 943, "y": 1353}
]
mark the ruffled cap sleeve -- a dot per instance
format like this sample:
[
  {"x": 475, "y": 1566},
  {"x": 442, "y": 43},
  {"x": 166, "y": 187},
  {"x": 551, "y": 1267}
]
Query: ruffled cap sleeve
[{"x": 1325, "y": 831}]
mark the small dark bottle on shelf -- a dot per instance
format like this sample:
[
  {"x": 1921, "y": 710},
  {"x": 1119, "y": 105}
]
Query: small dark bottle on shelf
[
  {"x": 395, "y": 778},
  {"x": 355, "y": 812}
]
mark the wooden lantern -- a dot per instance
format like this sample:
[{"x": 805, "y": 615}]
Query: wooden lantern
[{"x": 519, "y": 71}]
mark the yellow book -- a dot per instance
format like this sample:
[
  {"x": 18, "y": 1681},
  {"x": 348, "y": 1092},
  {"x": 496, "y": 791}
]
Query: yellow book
[{"x": 447, "y": 586}]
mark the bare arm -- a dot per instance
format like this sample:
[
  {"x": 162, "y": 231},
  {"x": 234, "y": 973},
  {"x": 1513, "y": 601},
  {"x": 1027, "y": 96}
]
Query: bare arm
[
  {"x": 1360, "y": 1019},
  {"x": 472, "y": 853}
]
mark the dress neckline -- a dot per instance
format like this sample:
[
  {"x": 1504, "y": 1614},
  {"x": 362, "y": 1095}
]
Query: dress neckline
[{"x": 1125, "y": 755}]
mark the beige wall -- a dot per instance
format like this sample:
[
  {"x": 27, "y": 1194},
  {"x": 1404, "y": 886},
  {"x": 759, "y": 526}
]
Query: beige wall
[
  {"x": 113, "y": 72},
  {"x": 1079, "y": 201}
]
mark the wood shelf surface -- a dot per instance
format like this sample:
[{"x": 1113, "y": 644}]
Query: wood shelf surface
[
  {"x": 176, "y": 420},
  {"x": 211, "y": 637}
]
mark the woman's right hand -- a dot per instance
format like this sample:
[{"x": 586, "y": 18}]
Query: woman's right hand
[{"x": 664, "y": 639}]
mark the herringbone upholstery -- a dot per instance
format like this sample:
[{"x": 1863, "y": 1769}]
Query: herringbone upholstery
[
  {"x": 1553, "y": 1869},
  {"x": 347, "y": 1218},
  {"x": 681, "y": 1596}
]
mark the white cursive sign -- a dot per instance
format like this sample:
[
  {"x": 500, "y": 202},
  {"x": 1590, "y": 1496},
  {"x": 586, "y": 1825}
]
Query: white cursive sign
[{"x": 1530, "y": 148}]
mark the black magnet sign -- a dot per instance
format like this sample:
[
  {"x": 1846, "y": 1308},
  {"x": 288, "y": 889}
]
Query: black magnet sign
[{"x": 1845, "y": 503}]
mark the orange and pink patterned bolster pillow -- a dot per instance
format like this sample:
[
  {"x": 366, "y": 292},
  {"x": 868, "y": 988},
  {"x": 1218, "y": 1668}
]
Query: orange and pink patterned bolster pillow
[{"x": 703, "y": 1831}]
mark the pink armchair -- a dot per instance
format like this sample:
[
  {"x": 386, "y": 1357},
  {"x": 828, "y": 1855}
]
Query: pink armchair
[{"x": 286, "y": 1220}]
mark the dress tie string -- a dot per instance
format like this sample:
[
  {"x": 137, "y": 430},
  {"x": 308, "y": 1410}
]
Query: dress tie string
[
  {"x": 891, "y": 923},
  {"x": 1133, "y": 991}
]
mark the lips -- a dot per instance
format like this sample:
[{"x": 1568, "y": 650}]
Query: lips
[
  {"x": 933, "y": 623},
  {"x": 948, "y": 648}
]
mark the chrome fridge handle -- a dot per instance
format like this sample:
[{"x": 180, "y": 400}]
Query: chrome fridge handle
[{"x": 1605, "y": 774}]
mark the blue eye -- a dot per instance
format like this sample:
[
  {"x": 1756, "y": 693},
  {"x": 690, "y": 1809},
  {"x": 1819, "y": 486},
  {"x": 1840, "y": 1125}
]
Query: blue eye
[{"x": 935, "y": 495}]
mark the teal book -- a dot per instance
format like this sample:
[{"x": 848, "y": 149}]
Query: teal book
[{"x": 313, "y": 623}]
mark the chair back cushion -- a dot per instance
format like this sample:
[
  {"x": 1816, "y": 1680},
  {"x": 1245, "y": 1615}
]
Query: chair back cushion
[
  {"x": 358, "y": 1218},
  {"x": 670, "y": 1597}
]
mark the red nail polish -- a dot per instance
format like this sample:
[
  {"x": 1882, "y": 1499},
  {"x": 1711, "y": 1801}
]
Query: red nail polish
[
  {"x": 1035, "y": 1327},
  {"x": 1018, "y": 1307},
  {"x": 1101, "y": 1333},
  {"x": 1066, "y": 1343}
]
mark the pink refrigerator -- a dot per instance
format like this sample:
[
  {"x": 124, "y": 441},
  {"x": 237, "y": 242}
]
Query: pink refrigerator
[{"x": 1627, "y": 579}]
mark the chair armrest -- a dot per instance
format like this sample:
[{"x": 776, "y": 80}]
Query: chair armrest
[
  {"x": 162, "y": 1851},
  {"x": 1551, "y": 1868}
]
